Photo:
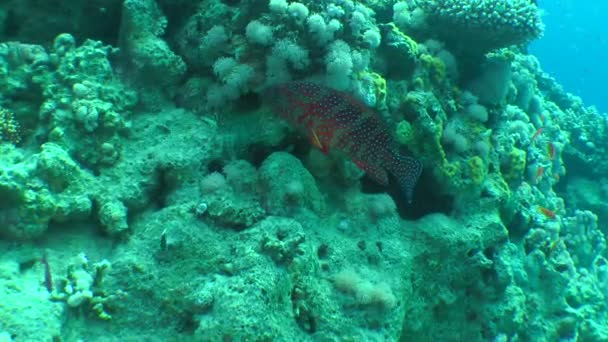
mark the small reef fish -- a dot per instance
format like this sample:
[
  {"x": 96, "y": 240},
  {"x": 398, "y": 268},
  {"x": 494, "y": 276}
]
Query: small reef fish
[
  {"x": 536, "y": 134},
  {"x": 334, "y": 120},
  {"x": 551, "y": 150},
  {"x": 548, "y": 213},
  {"x": 48, "y": 278},
  {"x": 553, "y": 246},
  {"x": 539, "y": 173}
]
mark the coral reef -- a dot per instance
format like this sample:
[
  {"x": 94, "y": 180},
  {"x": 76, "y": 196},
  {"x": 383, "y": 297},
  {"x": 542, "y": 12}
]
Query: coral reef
[
  {"x": 489, "y": 23},
  {"x": 137, "y": 134}
]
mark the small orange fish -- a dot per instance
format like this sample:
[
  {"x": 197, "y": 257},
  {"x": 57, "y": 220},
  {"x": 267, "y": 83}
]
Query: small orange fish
[
  {"x": 553, "y": 246},
  {"x": 539, "y": 173},
  {"x": 551, "y": 150},
  {"x": 536, "y": 134},
  {"x": 548, "y": 213}
]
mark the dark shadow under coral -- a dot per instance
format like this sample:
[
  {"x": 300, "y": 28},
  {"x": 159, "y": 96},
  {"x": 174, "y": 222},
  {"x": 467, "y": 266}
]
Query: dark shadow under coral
[{"x": 427, "y": 198}]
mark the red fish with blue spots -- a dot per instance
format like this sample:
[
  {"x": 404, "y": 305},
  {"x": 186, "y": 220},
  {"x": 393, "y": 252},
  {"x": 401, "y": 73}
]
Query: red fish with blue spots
[{"x": 334, "y": 120}]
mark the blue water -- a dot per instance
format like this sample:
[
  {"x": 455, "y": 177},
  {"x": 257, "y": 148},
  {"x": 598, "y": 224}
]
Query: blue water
[{"x": 575, "y": 47}]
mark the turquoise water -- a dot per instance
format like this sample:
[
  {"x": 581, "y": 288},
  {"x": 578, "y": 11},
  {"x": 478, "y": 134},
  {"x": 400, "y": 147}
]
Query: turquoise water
[
  {"x": 575, "y": 47},
  {"x": 328, "y": 170}
]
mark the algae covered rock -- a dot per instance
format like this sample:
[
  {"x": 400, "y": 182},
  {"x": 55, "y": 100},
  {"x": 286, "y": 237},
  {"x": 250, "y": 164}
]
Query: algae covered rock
[
  {"x": 154, "y": 63},
  {"x": 47, "y": 186},
  {"x": 86, "y": 105},
  {"x": 26, "y": 311},
  {"x": 289, "y": 185},
  {"x": 499, "y": 244},
  {"x": 233, "y": 211}
]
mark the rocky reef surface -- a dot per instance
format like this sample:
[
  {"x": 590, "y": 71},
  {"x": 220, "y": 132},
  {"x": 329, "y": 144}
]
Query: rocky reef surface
[{"x": 147, "y": 193}]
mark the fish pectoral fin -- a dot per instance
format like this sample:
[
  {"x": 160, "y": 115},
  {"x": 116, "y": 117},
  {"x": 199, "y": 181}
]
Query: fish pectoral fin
[
  {"x": 316, "y": 142},
  {"x": 376, "y": 173}
]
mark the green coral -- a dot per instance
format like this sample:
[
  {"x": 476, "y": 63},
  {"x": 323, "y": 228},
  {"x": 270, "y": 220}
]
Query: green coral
[
  {"x": 477, "y": 169},
  {"x": 379, "y": 86},
  {"x": 514, "y": 166},
  {"x": 450, "y": 170},
  {"x": 86, "y": 104},
  {"x": 435, "y": 67},
  {"x": 396, "y": 38},
  {"x": 405, "y": 133},
  {"x": 402, "y": 51},
  {"x": 47, "y": 186}
]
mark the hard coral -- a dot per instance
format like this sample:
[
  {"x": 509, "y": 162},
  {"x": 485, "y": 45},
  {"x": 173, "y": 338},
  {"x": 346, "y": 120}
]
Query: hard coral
[{"x": 489, "y": 23}]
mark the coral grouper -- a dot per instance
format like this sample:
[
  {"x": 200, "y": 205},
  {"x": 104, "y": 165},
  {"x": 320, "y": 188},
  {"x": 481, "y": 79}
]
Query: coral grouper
[{"x": 334, "y": 120}]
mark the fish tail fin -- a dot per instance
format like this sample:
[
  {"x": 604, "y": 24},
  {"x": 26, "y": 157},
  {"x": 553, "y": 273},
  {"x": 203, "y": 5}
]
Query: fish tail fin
[{"x": 407, "y": 171}]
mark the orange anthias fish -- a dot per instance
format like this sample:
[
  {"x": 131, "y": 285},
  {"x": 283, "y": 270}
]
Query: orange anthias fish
[
  {"x": 539, "y": 173},
  {"x": 536, "y": 134},
  {"x": 548, "y": 213},
  {"x": 551, "y": 150},
  {"x": 334, "y": 120}
]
